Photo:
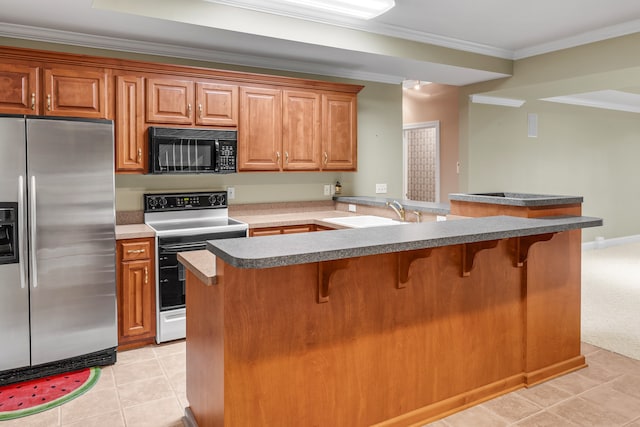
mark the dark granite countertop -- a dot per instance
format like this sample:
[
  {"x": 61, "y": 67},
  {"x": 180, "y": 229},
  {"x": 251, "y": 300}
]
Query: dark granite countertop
[
  {"x": 283, "y": 250},
  {"x": 516, "y": 199}
]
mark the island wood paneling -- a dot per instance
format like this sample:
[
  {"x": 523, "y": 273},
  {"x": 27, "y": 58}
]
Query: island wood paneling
[{"x": 261, "y": 350}]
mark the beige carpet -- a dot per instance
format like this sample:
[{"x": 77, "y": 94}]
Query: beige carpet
[{"x": 611, "y": 298}]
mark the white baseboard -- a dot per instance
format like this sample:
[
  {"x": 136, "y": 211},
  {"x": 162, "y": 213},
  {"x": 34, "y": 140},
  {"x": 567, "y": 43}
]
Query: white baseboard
[{"x": 601, "y": 242}]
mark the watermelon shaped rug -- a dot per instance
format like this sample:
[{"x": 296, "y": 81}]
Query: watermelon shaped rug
[{"x": 33, "y": 396}]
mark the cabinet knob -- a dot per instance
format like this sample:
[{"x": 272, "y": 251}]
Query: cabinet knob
[
  {"x": 33, "y": 101},
  {"x": 189, "y": 110},
  {"x": 326, "y": 158},
  {"x": 146, "y": 275},
  {"x": 286, "y": 157},
  {"x": 49, "y": 102},
  {"x": 139, "y": 155},
  {"x": 277, "y": 157},
  {"x": 200, "y": 110}
]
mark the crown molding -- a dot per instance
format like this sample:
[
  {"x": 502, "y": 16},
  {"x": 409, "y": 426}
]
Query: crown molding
[
  {"x": 581, "y": 39},
  {"x": 495, "y": 100},
  {"x": 594, "y": 103}
]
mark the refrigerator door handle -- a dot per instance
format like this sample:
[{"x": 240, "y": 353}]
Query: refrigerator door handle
[
  {"x": 22, "y": 220},
  {"x": 32, "y": 234}
]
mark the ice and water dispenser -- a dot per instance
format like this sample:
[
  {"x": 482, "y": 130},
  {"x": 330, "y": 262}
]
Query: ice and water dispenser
[{"x": 8, "y": 233}]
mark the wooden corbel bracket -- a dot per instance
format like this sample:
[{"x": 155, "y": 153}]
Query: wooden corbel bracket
[
  {"x": 523, "y": 244},
  {"x": 325, "y": 271},
  {"x": 405, "y": 259},
  {"x": 469, "y": 251}
]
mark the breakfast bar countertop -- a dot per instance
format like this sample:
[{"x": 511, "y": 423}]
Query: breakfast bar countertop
[{"x": 283, "y": 250}]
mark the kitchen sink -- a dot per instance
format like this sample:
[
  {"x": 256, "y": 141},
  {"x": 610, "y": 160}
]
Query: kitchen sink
[{"x": 363, "y": 221}]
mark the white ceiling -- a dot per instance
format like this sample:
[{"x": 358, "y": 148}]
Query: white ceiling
[{"x": 508, "y": 29}]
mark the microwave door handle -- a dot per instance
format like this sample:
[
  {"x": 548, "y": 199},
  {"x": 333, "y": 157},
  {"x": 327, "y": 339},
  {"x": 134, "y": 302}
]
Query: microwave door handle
[{"x": 216, "y": 152}]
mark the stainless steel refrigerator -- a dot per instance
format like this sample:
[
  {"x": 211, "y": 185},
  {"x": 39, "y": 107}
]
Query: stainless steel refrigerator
[{"x": 57, "y": 246}]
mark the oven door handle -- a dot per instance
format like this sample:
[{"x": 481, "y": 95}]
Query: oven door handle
[{"x": 172, "y": 249}]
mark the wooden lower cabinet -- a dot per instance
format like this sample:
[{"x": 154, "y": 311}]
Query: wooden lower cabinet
[
  {"x": 135, "y": 269},
  {"x": 286, "y": 229}
]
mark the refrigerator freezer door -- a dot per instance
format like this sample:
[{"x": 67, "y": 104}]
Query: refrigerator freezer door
[
  {"x": 14, "y": 293},
  {"x": 73, "y": 307}
]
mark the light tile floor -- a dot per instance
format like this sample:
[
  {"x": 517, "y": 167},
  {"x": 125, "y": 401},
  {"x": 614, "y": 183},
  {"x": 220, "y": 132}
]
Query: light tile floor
[{"x": 146, "y": 388}]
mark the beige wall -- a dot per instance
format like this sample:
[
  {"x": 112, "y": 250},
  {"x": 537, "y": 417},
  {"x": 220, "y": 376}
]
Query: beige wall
[
  {"x": 379, "y": 148},
  {"x": 579, "y": 151},
  {"x": 582, "y": 151},
  {"x": 438, "y": 102}
]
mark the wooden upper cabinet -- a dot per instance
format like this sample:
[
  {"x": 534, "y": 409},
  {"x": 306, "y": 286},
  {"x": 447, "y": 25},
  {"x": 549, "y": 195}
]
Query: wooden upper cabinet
[
  {"x": 75, "y": 91},
  {"x": 131, "y": 146},
  {"x": 339, "y": 132},
  {"x": 260, "y": 129},
  {"x": 217, "y": 104},
  {"x": 190, "y": 102},
  {"x": 70, "y": 91},
  {"x": 301, "y": 135},
  {"x": 19, "y": 88},
  {"x": 170, "y": 101}
]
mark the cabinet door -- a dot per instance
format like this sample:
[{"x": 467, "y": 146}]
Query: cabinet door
[
  {"x": 136, "y": 289},
  {"x": 75, "y": 92},
  {"x": 19, "y": 91},
  {"x": 301, "y": 130},
  {"x": 339, "y": 132},
  {"x": 217, "y": 104},
  {"x": 137, "y": 319},
  {"x": 131, "y": 152},
  {"x": 170, "y": 101},
  {"x": 260, "y": 129}
]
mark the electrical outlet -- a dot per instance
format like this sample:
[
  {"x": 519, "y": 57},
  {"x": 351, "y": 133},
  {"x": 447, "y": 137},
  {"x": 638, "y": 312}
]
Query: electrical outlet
[
  {"x": 381, "y": 188},
  {"x": 327, "y": 190},
  {"x": 352, "y": 208},
  {"x": 231, "y": 193}
]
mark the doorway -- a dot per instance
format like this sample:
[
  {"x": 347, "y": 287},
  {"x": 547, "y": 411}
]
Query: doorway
[{"x": 421, "y": 154}]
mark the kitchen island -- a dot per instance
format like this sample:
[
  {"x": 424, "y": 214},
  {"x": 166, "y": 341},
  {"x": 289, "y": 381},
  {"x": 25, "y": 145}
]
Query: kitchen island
[{"x": 390, "y": 326}]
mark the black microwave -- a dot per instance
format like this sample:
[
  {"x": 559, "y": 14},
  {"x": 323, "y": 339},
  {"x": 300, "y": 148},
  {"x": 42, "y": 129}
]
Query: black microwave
[{"x": 187, "y": 150}]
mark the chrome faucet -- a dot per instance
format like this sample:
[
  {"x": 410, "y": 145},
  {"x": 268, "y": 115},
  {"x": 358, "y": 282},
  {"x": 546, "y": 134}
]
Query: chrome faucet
[{"x": 398, "y": 208}]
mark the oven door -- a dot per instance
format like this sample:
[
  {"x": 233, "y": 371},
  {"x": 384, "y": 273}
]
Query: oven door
[
  {"x": 170, "y": 280},
  {"x": 171, "y": 274}
]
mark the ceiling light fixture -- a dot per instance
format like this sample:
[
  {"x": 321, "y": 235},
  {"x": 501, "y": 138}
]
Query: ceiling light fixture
[
  {"x": 494, "y": 100},
  {"x": 414, "y": 84},
  {"x": 362, "y": 9}
]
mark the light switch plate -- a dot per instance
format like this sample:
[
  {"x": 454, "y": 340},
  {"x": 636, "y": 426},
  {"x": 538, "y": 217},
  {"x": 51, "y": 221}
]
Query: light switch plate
[
  {"x": 327, "y": 190},
  {"x": 231, "y": 193},
  {"x": 381, "y": 188}
]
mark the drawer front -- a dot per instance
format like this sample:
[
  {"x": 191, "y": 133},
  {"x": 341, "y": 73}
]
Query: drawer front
[{"x": 135, "y": 250}]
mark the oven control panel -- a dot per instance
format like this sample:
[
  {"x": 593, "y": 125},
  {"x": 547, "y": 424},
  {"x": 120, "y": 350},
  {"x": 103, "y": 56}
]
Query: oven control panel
[{"x": 185, "y": 201}]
